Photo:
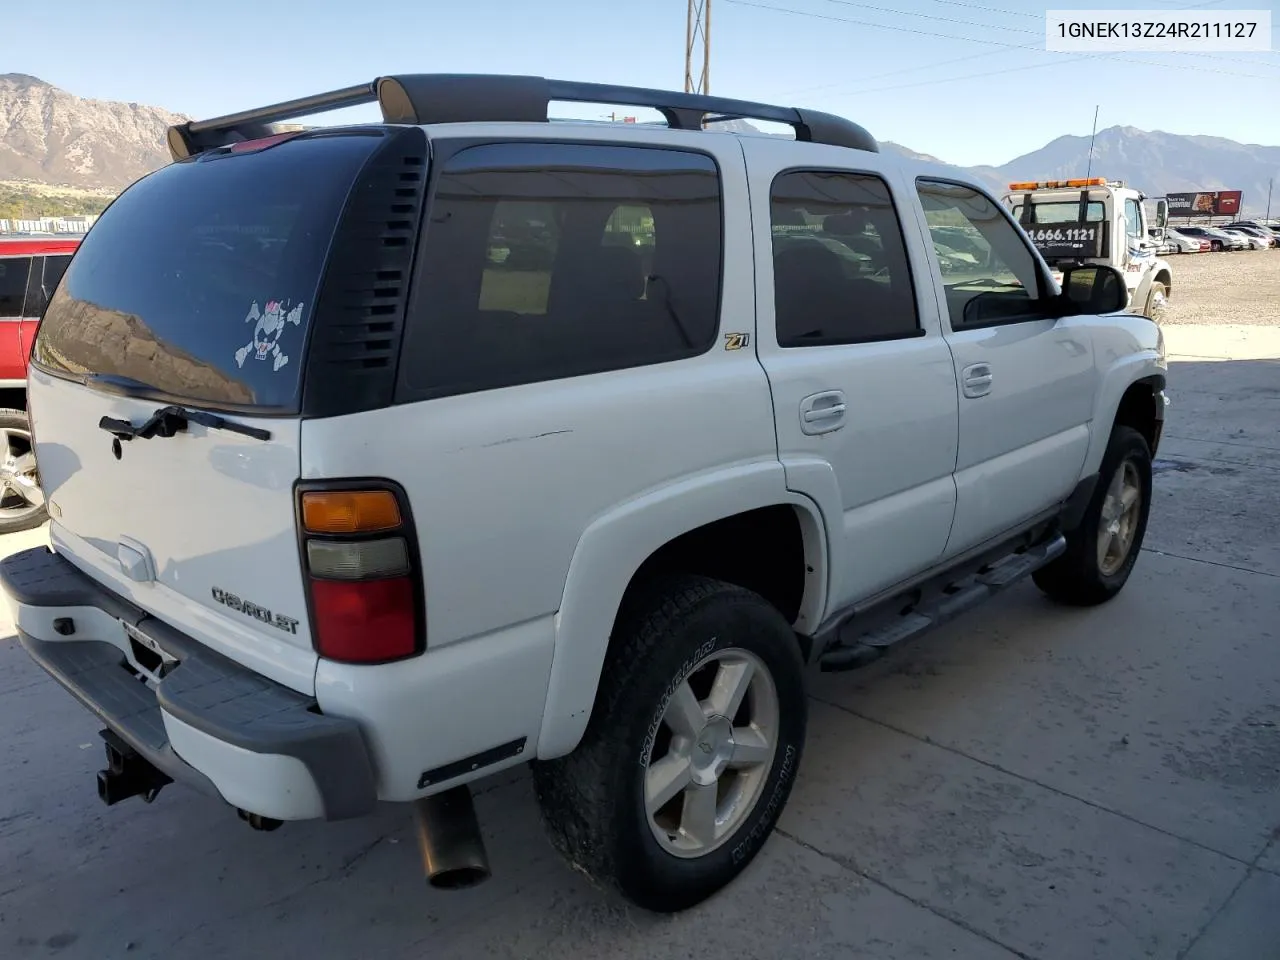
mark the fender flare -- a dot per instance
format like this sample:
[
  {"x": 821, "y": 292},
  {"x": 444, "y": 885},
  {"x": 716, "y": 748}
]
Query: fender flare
[
  {"x": 1141, "y": 367},
  {"x": 612, "y": 549}
]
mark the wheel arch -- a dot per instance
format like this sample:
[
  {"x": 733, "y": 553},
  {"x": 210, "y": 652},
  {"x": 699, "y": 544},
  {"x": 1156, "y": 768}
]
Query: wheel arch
[
  {"x": 684, "y": 521},
  {"x": 1134, "y": 400}
]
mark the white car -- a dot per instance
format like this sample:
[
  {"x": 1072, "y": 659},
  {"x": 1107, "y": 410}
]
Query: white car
[
  {"x": 1179, "y": 243},
  {"x": 1254, "y": 243},
  {"x": 324, "y": 537}
]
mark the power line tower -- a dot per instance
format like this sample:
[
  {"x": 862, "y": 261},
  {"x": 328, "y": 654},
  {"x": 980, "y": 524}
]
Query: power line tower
[{"x": 697, "y": 33}]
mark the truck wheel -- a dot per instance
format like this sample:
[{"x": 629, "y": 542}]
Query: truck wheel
[
  {"x": 22, "y": 504},
  {"x": 691, "y": 750},
  {"x": 1157, "y": 302},
  {"x": 1215, "y": 246},
  {"x": 1102, "y": 550}
]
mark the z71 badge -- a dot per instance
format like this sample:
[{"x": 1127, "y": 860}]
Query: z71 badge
[{"x": 261, "y": 614}]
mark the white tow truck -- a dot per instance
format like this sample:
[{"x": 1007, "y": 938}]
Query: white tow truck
[{"x": 1095, "y": 220}]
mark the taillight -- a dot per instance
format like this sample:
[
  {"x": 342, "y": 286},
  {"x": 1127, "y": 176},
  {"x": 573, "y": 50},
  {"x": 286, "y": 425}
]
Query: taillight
[{"x": 361, "y": 564}]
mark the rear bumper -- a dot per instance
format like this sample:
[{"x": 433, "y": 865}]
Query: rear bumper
[{"x": 208, "y": 721}]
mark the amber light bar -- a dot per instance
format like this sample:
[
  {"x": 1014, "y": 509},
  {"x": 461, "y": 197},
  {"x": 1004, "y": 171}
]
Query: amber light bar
[{"x": 1056, "y": 184}]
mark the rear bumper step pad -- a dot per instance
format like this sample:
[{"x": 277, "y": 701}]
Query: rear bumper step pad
[{"x": 205, "y": 690}]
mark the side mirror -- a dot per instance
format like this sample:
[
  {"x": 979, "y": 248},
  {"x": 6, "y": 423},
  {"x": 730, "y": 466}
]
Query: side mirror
[
  {"x": 1092, "y": 288},
  {"x": 1162, "y": 213}
]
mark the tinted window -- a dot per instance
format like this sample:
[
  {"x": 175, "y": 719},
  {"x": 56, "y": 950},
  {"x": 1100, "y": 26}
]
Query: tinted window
[
  {"x": 840, "y": 271},
  {"x": 13, "y": 284},
  {"x": 544, "y": 261},
  {"x": 54, "y": 267},
  {"x": 993, "y": 277},
  {"x": 200, "y": 280}
]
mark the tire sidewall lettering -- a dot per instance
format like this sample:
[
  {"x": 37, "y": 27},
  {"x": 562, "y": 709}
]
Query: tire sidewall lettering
[
  {"x": 768, "y": 813},
  {"x": 682, "y": 674}
]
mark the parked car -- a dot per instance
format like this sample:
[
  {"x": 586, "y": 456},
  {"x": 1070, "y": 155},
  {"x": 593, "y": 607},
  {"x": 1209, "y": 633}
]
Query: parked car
[
  {"x": 30, "y": 268},
  {"x": 1255, "y": 243},
  {"x": 1250, "y": 223},
  {"x": 320, "y": 539},
  {"x": 1262, "y": 233},
  {"x": 1181, "y": 243},
  {"x": 1218, "y": 240}
]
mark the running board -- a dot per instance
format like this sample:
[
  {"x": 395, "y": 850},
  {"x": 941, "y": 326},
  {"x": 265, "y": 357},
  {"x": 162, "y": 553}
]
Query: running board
[{"x": 864, "y": 639}]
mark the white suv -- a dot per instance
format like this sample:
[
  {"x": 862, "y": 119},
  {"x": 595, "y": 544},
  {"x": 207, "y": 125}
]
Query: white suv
[{"x": 383, "y": 458}]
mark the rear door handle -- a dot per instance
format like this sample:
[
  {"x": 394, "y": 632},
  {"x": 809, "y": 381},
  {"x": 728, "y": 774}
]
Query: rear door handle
[
  {"x": 822, "y": 412},
  {"x": 976, "y": 379}
]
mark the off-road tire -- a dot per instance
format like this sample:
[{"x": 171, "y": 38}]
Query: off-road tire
[
  {"x": 592, "y": 800},
  {"x": 1077, "y": 577},
  {"x": 12, "y": 521}
]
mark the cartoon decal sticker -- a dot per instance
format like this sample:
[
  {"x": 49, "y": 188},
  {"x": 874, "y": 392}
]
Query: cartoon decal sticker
[{"x": 268, "y": 325}]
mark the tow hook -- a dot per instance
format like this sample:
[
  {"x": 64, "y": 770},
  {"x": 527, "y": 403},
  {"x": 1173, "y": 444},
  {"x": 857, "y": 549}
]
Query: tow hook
[{"x": 128, "y": 773}]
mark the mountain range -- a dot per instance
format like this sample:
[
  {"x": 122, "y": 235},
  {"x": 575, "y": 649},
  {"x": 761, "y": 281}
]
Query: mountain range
[{"x": 51, "y": 136}]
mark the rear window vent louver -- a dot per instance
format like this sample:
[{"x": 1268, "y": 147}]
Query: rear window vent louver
[{"x": 355, "y": 337}]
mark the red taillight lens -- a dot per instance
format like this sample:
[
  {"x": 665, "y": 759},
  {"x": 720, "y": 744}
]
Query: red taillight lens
[
  {"x": 365, "y": 590},
  {"x": 364, "y": 621}
]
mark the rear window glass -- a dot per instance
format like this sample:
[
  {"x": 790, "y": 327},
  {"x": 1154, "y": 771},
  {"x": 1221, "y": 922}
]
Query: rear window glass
[
  {"x": 1062, "y": 211},
  {"x": 199, "y": 282},
  {"x": 545, "y": 261}
]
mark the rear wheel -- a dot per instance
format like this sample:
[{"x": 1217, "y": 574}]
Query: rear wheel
[
  {"x": 691, "y": 750},
  {"x": 1215, "y": 246},
  {"x": 22, "y": 505},
  {"x": 1102, "y": 550}
]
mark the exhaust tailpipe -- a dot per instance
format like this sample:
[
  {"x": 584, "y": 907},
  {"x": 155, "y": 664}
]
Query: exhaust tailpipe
[{"x": 453, "y": 853}]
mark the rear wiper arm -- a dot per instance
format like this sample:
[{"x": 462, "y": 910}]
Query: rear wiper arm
[{"x": 170, "y": 421}]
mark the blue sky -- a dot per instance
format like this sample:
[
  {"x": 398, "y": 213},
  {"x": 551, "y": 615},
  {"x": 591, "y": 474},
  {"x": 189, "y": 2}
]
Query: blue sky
[{"x": 945, "y": 77}]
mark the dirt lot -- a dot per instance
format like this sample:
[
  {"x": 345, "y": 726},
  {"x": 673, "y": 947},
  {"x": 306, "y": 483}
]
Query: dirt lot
[
  {"x": 1031, "y": 782},
  {"x": 1241, "y": 287}
]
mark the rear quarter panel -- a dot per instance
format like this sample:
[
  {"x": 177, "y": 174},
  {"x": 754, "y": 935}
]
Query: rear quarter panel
[{"x": 13, "y": 367}]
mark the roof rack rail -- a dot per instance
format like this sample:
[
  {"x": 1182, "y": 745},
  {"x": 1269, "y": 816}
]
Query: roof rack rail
[{"x": 455, "y": 98}]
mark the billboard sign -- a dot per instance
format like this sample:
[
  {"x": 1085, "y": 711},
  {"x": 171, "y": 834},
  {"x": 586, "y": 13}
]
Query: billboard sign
[{"x": 1221, "y": 203}]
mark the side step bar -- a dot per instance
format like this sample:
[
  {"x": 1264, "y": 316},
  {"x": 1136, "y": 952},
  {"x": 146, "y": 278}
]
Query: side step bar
[{"x": 864, "y": 639}]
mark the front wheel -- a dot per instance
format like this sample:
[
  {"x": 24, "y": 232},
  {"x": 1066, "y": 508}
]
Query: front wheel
[
  {"x": 1102, "y": 550},
  {"x": 1157, "y": 302},
  {"x": 22, "y": 505},
  {"x": 691, "y": 750}
]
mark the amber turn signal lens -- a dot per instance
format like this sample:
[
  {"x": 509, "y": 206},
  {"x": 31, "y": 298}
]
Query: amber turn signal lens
[{"x": 350, "y": 511}]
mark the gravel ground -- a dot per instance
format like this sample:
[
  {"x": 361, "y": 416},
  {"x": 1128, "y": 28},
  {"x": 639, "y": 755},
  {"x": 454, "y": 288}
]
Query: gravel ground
[{"x": 1217, "y": 288}]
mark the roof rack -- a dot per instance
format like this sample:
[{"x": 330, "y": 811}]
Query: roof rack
[{"x": 454, "y": 98}]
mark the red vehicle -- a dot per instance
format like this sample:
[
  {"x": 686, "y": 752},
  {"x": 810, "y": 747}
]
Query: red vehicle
[{"x": 30, "y": 268}]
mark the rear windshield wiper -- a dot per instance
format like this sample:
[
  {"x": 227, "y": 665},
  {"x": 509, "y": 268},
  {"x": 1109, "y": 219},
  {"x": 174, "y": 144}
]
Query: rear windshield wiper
[{"x": 170, "y": 421}]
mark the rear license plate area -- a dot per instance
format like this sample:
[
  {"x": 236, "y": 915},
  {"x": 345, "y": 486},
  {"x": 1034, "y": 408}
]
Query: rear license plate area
[{"x": 146, "y": 655}]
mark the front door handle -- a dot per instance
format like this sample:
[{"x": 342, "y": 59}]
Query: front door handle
[
  {"x": 822, "y": 412},
  {"x": 975, "y": 380}
]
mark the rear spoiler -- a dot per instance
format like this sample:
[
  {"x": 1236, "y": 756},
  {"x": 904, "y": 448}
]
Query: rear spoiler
[{"x": 454, "y": 98}]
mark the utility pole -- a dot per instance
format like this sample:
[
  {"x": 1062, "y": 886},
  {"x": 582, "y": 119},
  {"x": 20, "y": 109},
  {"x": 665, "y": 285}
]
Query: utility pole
[
  {"x": 1269, "y": 182},
  {"x": 697, "y": 33}
]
